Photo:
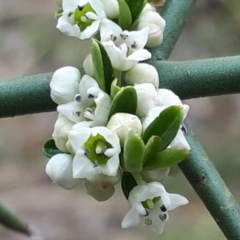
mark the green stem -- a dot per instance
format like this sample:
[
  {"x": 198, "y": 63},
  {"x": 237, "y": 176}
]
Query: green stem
[
  {"x": 25, "y": 95},
  {"x": 193, "y": 79},
  {"x": 137, "y": 177},
  {"x": 208, "y": 184},
  {"x": 175, "y": 13}
]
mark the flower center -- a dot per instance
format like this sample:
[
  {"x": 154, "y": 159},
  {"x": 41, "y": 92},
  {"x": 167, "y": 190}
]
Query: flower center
[
  {"x": 95, "y": 148},
  {"x": 150, "y": 203},
  {"x": 80, "y": 16}
]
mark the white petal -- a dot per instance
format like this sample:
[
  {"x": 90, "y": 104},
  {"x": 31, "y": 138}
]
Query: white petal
[
  {"x": 69, "y": 5},
  {"x": 64, "y": 84},
  {"x": 90, "y": 31},
  {"x": 98, "y": 8},
  {"x": 59, "y": 169},
  {"x": 180, "y": 141},
  {"x": 140, "y": 55},
  {"x": 78, "y": 136},
  {"x": 112, "y": 166},
  {"x": 67, "y": 27},
  {"x": 60, "y": 133},
  {"x": 72, "y": 110},
  {"x": 109, "y": 28},
  {"x": 177, "y": 200},
  {"x": 131, "y": 219},
  {"x": 111, "y": 8},
  {"x": 168, "y": 97},
  {"x": 82, "y": 166},
  {"x": 103, "y": 104},
  {"x": 138, "y": 37}
]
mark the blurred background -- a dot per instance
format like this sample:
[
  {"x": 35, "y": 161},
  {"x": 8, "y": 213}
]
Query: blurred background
[{"x": 30, "y": 44}]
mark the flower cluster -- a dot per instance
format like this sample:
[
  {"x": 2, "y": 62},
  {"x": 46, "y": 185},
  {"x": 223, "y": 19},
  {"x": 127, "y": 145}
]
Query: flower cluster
[{"x": 114, "y": 122}]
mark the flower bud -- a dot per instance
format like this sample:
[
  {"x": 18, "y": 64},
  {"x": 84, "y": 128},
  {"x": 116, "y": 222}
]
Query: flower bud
[
  {"x": 59, "y": 169},
  {"x": 147, "y": 98},
  {"x": 88, "y": 66},
  {"x": 96, "y": 193},
  {"x": 111, "y": 8},
  {"x": 60, "y": 133},
  {"x": 123, "y": 123},
  {"x": 156, "y": 24},
  {"x": 142, "y": 73},
  {"x": 65, "y": 84}
]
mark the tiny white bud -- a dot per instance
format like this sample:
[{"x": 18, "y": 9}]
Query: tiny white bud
[
  {"x": 59, "y": 169},
  {"x": 123, "y": 123},
  {"x": 147, "y": 98},
  {"x": 156, "y": 24},
  {"x": 88, "y": 66},
  {"x": 142, "y": 73},
  {"x": 65, "y": 84},
  {"x": 111, "y": 8},
  {"x": 60, "y": 133}
]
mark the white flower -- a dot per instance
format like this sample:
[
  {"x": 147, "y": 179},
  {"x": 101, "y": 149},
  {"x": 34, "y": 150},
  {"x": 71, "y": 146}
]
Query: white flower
[
  {"x": 111, "y": 8},
  {"x": 150, "y": 18},
  {"x": 123, "y": 123},
  {"x": 150, "y": 205},
  {"x": 81, "y": 18},
  {"x": 59, "y": 169},
  {"x": 125, "y": 49},
  {"x": 89, "y": 104},
  {"x": 147, "y": 98},
  {"x": 142, "y": 73},
  {"x": 96, "y": 152},
  {"x": 65, "y": 84},
  {"x": 60, "y": 133}
]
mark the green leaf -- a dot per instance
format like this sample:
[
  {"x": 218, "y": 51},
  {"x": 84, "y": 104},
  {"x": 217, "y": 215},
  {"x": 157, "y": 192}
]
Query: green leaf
[
  {"x": 50, "y": 149},
  {"x": 12, "y": 221},
  {"x": 125, "y": 16},
  {"x": 128, "y": 183},
  {"x": 125, "y": 101},
  {"x": 114, "y": 88},
  {"x": 166, "y": 126},
  {"x": 152, "y": 148},
  {"x": 166, "y": 158},
  {"x": 136, "y": 7},
  {"x": 133, "y": 153},
  {"x": 104, "y": 73}
]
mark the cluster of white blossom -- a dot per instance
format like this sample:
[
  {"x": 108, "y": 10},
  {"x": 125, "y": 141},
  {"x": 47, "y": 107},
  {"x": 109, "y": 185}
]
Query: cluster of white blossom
[{"x": 97, "y": 140}]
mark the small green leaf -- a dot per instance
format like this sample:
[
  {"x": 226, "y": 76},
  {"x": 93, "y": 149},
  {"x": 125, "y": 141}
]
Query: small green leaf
[
  {"x": 104, "y": 73},
  {"x": 152, "y": 148},
  {"x": 125, "y": 101},
  {"x": 12, "y": 221},
  {"x": 50, "y": 149},
  {"x": 128, "y": 183},
  {"x": 166, "y": 126},
  {"x": 125, "y": 16},
  {"x": 166, "y": 158},
  {"x": 133, "y": 153},
  {"x": 114, "y": 88},
  {"x": 136, "y": 7}
]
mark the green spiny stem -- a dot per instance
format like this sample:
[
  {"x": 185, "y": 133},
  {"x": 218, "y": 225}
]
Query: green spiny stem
[
  {"x": 12, "y": 221},
  {"x": 212, "y": 190},
  {"x": 175, "y": 13},
  {"x": 194, "y": 79}
]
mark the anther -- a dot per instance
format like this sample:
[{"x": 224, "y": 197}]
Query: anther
[
  {"x": 70, "y": 14},
  {"x": 163, "y": 208},
  {"x": 78, "y": 98},
  {"x": 80, "y": 8},
  {"x": 163, "y": 217},
  {"x": 86, "y": 151}
]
